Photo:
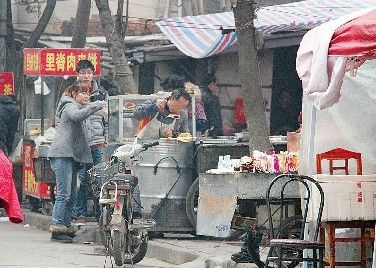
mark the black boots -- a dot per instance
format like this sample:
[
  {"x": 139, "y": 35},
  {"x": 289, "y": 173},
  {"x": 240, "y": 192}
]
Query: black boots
[
  {"x": 62, "y": 238},
  {"x": 241, "y": 257}
]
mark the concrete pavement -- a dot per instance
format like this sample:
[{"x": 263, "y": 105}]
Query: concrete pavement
[
  {"x": 177, "y": 250},
  {"x": 28, "y": 247}
]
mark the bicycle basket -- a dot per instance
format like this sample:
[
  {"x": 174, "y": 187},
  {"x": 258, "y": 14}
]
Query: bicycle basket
[{"x": 103, "y": 172}]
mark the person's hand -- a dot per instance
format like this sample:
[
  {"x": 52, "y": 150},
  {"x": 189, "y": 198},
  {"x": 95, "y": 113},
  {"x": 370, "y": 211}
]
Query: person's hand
[
  {"x": 161, "y": 104},
  {"x": 167, "y": 133},
  {"x": 102, "y": 104},
  {"x": 105, "y": 114}
]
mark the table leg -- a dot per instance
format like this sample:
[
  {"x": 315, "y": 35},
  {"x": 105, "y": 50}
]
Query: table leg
[
  {"x": 332, "y": 252},
  {"x": 362, "y": 248}
]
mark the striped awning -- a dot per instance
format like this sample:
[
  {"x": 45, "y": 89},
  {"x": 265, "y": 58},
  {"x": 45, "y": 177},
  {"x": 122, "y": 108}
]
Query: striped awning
[{"x": 202, "y": 36}]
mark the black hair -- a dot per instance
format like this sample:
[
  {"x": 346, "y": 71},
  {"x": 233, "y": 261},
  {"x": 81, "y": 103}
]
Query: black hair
[
  {"x": 180, "y": 92},
  {"x": 84, "y": 64},
  {"x": 172, "y": 82},
  {"x": 207, "y": 79}
]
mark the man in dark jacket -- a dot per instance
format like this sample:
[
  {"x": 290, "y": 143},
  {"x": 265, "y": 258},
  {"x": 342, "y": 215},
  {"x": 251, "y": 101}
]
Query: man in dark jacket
[
  {"x": 97, "y": 126},
  {"x": 212, "y": 105},
  {"x": 9, "y": 115},
  {"x": 163, "y": 109}
]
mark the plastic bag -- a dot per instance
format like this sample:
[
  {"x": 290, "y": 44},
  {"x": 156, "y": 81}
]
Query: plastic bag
[{"x": 239, "y": 116}]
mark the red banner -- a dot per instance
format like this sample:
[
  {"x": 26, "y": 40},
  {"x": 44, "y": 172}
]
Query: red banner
[
  {"x": 30, "y": 186},
  {"x": 6, "y": 83},
  {"x": 31, "y": 61},
  {"x": 59, "y": 62}
]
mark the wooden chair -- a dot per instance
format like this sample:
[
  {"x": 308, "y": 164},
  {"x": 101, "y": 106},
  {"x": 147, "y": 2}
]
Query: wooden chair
[
  {"x": 284, "y": 250},
  {"x": 330, "y": 226},
  {"x": 339, "y": 154}
]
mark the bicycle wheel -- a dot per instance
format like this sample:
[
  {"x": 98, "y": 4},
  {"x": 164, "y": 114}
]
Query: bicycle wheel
[
  {"x": 191, "y": 203},
  {"x": 102, "y": 222},
  {"x": 118, "y": 247},
  {"x": 137, "y": 252}
]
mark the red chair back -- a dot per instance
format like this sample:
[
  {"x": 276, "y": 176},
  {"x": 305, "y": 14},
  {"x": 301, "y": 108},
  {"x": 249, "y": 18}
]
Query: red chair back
[{"x": 339, "y": 154}]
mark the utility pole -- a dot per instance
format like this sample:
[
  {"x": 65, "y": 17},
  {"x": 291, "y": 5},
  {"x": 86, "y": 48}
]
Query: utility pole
[
  {"x": 3, "y": 34},
  {"x": 244, "y": 13}
]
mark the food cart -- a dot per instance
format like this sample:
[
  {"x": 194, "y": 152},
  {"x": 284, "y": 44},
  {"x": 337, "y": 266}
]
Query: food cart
[
  {"x": 164, "y": 171},
  {"x": 38, "y": 178}
]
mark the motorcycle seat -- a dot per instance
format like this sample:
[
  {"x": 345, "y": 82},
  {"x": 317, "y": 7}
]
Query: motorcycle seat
[{"x": 119, "y": 178}]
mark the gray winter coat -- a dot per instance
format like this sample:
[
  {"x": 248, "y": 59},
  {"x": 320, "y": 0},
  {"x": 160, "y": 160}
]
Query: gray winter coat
[
  {"x": 71, "y": 139},
  {"x": 96, "y": 124}
]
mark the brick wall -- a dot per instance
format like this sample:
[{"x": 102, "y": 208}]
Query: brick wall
[{"x": 135, "y": 27}]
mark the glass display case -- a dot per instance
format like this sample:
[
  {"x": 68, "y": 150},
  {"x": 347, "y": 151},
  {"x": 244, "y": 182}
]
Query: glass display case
[{"x": 122, "y": 124}]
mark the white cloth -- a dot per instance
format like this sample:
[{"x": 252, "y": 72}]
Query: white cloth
[{"x": 322, "y": 78}]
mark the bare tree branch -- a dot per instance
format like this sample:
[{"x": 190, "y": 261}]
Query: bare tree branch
[
  {"x": 81, "y": 24},
  {"x": 123, "y": 74},
  {"x": 42, "y": 24}
]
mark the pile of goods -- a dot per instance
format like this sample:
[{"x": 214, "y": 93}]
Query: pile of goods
[
  {"x": 284, "y": 162},
  {"x": 185, "y": 137}
]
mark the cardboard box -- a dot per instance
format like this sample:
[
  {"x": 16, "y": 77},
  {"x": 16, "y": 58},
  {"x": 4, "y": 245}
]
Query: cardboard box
[{"x": 346, "y": 197}]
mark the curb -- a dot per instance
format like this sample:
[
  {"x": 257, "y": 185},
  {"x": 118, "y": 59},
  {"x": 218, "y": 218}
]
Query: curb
[
  {"x": 166, "y": 251},
  {"x": 37, "y": 220},
  {"x": 90, "y": 233},
  {"x": 169, "y": 253},
  {"x": 85, "y": 234}
]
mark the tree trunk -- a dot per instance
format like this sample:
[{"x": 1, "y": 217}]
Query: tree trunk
[
  {"x": 3, "y": 34},
  {"x": 81, "y": 24},
  {"x": 11, "y": 46},
  {"x": 41, "y": 26},
  {"x": 119, "y": 20},
  {"x": 244, "y": 13},
  {"x": 123, "y": 74}
]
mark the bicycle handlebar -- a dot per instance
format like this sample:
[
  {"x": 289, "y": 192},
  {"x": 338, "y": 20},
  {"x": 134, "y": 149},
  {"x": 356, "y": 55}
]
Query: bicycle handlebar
[{"x": 148, "y": 145}]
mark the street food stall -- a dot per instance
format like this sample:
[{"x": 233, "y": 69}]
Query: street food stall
[
  {"x": 168, "y": 173},
  {"x": 38, "y": 180},
  {"x": 242, "y": 182}
]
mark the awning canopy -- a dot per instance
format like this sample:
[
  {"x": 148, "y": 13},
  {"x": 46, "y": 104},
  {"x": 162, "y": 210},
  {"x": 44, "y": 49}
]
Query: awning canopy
[{"x": 202, "y": 36}]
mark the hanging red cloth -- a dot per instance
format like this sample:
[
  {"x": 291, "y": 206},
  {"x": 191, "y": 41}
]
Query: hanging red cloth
[
  {"x": 8, "y": 194},
  {"x": 356, "y": 37}
]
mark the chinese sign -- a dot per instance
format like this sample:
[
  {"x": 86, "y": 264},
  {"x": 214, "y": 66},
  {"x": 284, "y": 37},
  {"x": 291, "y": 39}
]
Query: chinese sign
[
  {"x": 6, "y": 83},
  {"x": 31, "y": 61},
  {"x": 58, "y": 62},
  {"x": 30, "y": 185}
]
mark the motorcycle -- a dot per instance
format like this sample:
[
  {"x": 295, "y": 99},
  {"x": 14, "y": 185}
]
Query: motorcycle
[{"x": 124, "y": 235}]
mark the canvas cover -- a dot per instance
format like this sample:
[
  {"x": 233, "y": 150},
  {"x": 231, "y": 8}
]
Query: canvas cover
[
  {"x": 321, "y": 75},
  {"x": 349, "y": 124},
  {"x": 201, "y": 36}
]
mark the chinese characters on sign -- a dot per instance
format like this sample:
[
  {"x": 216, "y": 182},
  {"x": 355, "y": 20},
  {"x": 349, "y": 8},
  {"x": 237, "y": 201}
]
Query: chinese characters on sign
[
  {"x": 31, "y": 61},
  {"x": 6, "y": 83},
  {"x": 58, "y": 62}
]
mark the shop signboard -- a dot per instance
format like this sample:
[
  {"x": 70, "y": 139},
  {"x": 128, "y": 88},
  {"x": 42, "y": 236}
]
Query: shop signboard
[
  {"x": 31, "y": 187},
  {"x": 6, "y": 83},
  {"x": 31, "y": 61},
  {"x": 58, "y": 61}
]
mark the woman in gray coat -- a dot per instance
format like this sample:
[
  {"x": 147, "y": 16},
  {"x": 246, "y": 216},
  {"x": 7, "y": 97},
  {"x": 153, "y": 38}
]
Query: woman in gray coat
[{"x": 69, "y": 150}]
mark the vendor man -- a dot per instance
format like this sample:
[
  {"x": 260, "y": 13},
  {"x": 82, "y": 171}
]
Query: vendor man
[{"x": 163, "y": 117}]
